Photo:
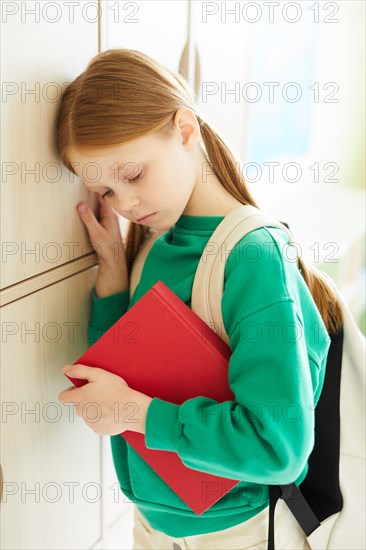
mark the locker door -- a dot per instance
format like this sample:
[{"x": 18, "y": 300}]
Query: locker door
[
  {"x": 157, "y": 28},
  {"x": 221, "y": 60},
  {"x": 51, "y": 460},
  {"x": 45, "y": 45}
]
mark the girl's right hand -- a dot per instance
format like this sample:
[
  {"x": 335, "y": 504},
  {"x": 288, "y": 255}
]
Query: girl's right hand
[{"x": 105, "y": 234}]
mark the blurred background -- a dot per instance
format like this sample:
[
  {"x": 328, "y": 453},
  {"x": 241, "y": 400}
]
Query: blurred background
[{"x": 283, "y": 84}]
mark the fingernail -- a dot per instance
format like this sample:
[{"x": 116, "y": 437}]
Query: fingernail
[
  {"x": 67, "y": 367},
  {"x": 82, "y": 208}
]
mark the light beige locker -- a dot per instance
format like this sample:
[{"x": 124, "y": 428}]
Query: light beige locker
[
  {"x": 51, "y": 460},
  {"x": 45, "y": 45},
  {"x": 157, "y": 28},
  {"x": 219, "y": 69}
]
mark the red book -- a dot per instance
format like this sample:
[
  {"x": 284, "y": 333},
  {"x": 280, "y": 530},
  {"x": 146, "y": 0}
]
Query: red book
[{"x": 163, "y": 349}]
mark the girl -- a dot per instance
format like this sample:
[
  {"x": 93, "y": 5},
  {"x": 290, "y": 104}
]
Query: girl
[{"x": 129, "y": 128}]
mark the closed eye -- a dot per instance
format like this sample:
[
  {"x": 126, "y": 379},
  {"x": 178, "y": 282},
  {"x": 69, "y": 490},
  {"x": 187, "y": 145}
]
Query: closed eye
[
  {"x": 136, "y": 177},
  {"x": 109, "y": 193}
]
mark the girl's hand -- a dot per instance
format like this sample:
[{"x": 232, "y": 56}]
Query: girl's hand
[
  {"x": 107, "y": 404},
  {"x": 105, "y": 233}
]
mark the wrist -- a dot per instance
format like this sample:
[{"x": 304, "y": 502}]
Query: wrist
[
  {"x": 142, "y": 404},
  {"x": 110, "y": 281}
]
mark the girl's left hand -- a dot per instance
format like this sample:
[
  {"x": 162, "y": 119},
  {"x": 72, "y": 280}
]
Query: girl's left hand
[{"x": 106, "y": 403}]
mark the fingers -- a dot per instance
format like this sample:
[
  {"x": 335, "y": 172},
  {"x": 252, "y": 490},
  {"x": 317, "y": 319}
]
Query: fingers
[
  {"x": 108, "y": 216},
  {"x": 88, "y": 218},
  {"x": 102, "y": 230},
  {"x": 65, "y": 395},
  {"x": 105, "y": 208}
]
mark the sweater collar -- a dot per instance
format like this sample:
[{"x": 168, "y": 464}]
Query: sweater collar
[{"x": 200, "y": 223}]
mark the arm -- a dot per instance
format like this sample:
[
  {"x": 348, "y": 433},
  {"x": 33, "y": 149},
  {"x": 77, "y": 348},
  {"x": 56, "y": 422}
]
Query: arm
[
  {"x": 267, "y": 433},
  {"x": 110, "y": 299},
  {"x": 110, "y": 295}
]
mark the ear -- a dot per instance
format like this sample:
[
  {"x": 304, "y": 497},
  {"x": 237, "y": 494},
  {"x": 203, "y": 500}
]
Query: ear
[{"x": 188, "y": 126}]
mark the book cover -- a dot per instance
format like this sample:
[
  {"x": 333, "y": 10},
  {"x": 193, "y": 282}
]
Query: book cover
[{"x": 163, "y": 349}]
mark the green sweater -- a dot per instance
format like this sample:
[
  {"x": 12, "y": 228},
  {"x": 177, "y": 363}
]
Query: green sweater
[{"x": 276, "y": 371}]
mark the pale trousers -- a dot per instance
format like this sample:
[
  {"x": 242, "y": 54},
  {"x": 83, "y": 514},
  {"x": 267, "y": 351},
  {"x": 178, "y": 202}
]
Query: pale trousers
[{"x": 250, "y": 535}]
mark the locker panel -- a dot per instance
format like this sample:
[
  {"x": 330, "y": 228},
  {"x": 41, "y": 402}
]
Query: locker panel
[
  {"x": 157, "y": 28},
  {"x": 221, "y": 44},
  {"x": 45, "y": 45},
  {"x": 51, "y": 460}
]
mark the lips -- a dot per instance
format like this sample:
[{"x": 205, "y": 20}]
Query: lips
[{"x": 143, "y": 217}]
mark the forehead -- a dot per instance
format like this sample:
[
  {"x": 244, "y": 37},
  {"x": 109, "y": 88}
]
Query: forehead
[
  {"x": 123, "y": 154},
  {"x": 120, "y": 153}
]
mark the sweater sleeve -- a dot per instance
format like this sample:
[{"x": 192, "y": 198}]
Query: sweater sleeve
[
  {"x": 266, "y": 434},
  {"x": 105, "y": 311}
]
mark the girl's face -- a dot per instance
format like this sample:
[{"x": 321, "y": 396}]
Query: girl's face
[{"x": 152, "y": 174}]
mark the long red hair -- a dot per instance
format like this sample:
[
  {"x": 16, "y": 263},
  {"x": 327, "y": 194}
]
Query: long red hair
[{"x": 124, "y": 94}]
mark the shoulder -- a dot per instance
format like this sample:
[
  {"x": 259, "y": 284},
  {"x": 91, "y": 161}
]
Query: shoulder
[
  {"x": 256, "y": 275},
  {"x": 262, "y": 237},
  {"x": 261, "y": 254}
]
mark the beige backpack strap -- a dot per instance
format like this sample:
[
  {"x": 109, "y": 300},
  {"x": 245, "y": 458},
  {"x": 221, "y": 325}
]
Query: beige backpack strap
[{"x": 208, "y": 284}]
